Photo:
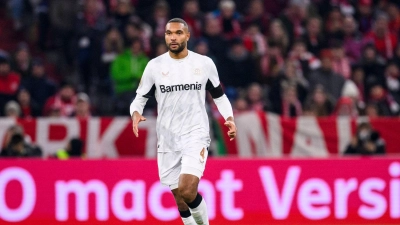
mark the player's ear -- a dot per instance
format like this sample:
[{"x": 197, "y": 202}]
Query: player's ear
[{"x": 187, "y": 36}]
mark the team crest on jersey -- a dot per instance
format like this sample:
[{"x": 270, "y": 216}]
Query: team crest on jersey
[{"x": 197, "y": 71}]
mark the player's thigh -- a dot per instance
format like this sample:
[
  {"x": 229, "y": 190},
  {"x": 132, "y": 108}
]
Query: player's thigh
[
  {"x": 169, "y": 168},
  {"x": 194, "y": 159}
]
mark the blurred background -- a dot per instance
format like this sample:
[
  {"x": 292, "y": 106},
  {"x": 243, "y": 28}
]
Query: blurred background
[
  {"x": 291, "y": 58},
  {"x": 306, "y": 78}
]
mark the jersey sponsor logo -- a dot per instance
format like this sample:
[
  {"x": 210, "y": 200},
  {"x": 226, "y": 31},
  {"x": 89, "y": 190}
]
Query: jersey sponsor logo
[
  {"x": 180, "y": 87},
  {"x": 165, "y": 74}
]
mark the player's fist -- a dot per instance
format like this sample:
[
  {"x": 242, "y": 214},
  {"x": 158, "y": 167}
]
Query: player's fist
[
  {"x": 136, "y": 119},
  {"x": 232, "y": 128}
]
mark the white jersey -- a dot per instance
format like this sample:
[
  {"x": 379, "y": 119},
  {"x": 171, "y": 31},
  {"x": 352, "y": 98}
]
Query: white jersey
[{"x": 179, "y": 86}]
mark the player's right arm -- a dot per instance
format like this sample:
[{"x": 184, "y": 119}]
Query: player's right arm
[
  {"x": 221, "y": 101},
  {"x": 145, "y": 90}
]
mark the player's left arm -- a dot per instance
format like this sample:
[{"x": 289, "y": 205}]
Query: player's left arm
[{"x": 221, "y": 100}]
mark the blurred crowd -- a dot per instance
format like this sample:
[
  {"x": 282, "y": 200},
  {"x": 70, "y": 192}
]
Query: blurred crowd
[{"x": 290, "y": 57}]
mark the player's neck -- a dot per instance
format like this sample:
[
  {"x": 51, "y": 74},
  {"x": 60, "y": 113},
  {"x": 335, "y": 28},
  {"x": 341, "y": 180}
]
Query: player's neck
[{"x": 179, "y": 55}]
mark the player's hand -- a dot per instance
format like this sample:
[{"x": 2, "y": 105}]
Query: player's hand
[
  {"x": 232, "y": 128},
  {"x": 136, "y": 119}
]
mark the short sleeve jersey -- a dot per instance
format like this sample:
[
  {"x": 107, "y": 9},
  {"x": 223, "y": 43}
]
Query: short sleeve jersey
[{"x": 179, "y": 86}]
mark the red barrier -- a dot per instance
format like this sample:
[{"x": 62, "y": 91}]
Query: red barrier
[
  {"x": 259, "y": 134},
  {"x": 328, "y": 191}
]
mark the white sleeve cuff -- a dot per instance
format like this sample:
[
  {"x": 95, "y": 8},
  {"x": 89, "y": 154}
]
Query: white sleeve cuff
[
  {"x": 138, "y": 104},
  {"x": 224, "y": 106}
]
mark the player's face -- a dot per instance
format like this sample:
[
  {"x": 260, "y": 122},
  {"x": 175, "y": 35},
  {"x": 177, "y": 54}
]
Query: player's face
[{"x": 176, "y": 37}]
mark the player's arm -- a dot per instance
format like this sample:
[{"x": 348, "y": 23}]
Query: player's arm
[
  {"x": 220, "y": 99},
  {"x": 145, "y": 90}
]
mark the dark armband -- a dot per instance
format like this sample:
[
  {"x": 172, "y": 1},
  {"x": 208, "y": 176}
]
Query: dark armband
[{"x": 215, "y": 92}]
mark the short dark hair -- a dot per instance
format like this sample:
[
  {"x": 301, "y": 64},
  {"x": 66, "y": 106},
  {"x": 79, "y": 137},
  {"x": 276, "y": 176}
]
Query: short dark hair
[{"x": 179, "y": 20}]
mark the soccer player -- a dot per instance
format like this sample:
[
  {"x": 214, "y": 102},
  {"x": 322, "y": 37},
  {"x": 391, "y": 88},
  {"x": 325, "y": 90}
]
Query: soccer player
[{"x": 179, "y": 80}]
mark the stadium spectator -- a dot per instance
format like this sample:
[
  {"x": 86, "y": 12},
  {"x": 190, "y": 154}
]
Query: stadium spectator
[
  {"x": 131, "y": 31},
  {"x": 9, "y": 82},
  {"x": 372, "y": 111},
  {"x": 274, "y": 8},
  {"x": 12, "y": 110},
  {"x": 394, "y": 18},
  {"x": 331, "y": 82},
  {"x": 289, "y": 76},
  {"x": 17, "y": 8},
  {"x": 22, "y": 60},
  {"x": 291, "y": 105},
  {"x": 303, "y": 60},
  {"x": 396, "y": 58},
  {"x": 113, "y": 44},
  {"x": 15, "y": 129},
  {"x": 201, "y": 47},
  {"x": 216, "y": 43},
  {"x": 193, "y": 17},
  {"x": 341, "y": 64},
  {"x": 358, "y": 79},
  {"x": 271, "y": 63},
  {"x": 255, "y": 41},
  {"x": 17, "y": 147},
  {"x": 256, "y": 16},
  {"x": 385, "y": 101},
  {"x": 373, "y": 66},
  {"x": 29, "y": 108},
  {"x": 38, "y": 85},
  {"x": 63, "y": 103},
  {"x": 159, "y": 18},
  {"x": 314, "y": 39},
  {"x": 350, "y": 90},
  {"x": 63, "y": 16},
  {"x": 122, "y": 14},
  {"x": 240, "y": 106},
  {"x": 159, "y": 49},
  {"x": 41, "y": 15},
  {"x": 256, "y": 98},
  {"x": 82, "y": 108},
  {"x": 380, "y": 7},
  {"x": 392, "y": 75},
  {"x": 319, "y": 103},
  {"x": 346, "y": 106},
  {"x": 364, "y": 15},
  {"x": 229, "y": 19},
  {"x": 74, "y": 149},
  {"x": 126, "y": 71},
  {"x": 294, "y": 17},
  {"x": 367, "y": 141},
  {"x": 54, "y": 111},
  {"x": 137, "y": 29},
  {"x": 384, "y": 39},
  {"x": 91, "y": 26},
  {"x": 237, "y": 70},
  {"x": 353, "y": 39},
  {"x": 127, "y": 68},
  {"x": 334, "y": 25},
  {"x": 80, "y": 46},
  {"x": 278, "y": 35}
]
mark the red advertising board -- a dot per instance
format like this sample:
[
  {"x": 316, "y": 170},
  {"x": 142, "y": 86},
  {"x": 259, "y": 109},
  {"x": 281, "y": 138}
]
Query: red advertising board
[
  {"x": 260, "y": 134},
  {"x": 285, "y": 191}
]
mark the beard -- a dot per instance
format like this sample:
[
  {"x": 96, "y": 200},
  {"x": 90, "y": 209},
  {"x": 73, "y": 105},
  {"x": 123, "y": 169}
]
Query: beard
[{"x": 179, "y": 49}]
